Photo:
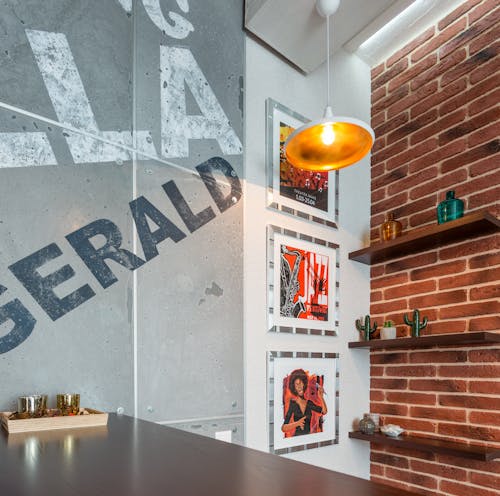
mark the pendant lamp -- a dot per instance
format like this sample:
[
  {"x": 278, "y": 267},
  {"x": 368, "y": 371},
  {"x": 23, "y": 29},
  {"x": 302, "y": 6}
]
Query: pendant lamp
[{"x": 332, "y": 142}]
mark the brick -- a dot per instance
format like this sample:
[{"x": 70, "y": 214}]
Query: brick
[
  {"x": 478, "y": 90},
  {"x": 467, "y": 66},
  {"x": 388, "y": 152},
  {"x": 469, "y": 401},
  {"x": 456, "y": 13},
  {"x": 376, "y": 296},
  {"x": 448, "y": 326},
  {"x": 377, "y": 396},
  {"x": 438, "y": 70},
  {"x": 482, "y": 10},
  {"x": 411, "y": 477},
  {"x": 469, "y": 279},
  {"x": 487, "y": 102},
  {"x": 391, "y": 98},
  {"x": 485, "y": 355},
  {"x": 441, "y": 184},
  {"x": 420, "y": 155},
  {"x": 385, "y": 307},
  {"x": 385, "y": 358},
  {"x": 416, "y": 206},
  {"x": 483, "y": 71},
  {"x": 409, "y": 289},
  {"x": 376, "y": 271},
  {"x": 487, "y": 307},
  {"x": 469, "y": 431},
  {"x": 482, "y": 151},
  {"x": 378, "y": 94},
  {"x": 389, "y": 74},
  {"x": 423, "y": 218},
  {"x": 410, "y": 371},
  {"x": 449, "y": 33},
  {"x": 469, "y": 125},
  {"x": 391, "y": 202},
  {"x": 485, "y": 198},
  {"x": 489, "y": 38},
  {"x": 484, "y": 387},
  {"x": 441, "y": 96},
  {"x": 484, "y": 135},
  {"x": 428, "y": 89},
  {"x": 411, "y": 398},
  {"x": 452, "y": 415},
  {"x": 412, "y": 262},
  {"x": 437, "y": 156},
  {"x": 447, "y": 472},
  {"x": 386, "y": 281},
  {"x": 409, "y": 47},
  {"x": 457, "y": 489},
  {"x": 490, "y": 323},
  {"x": 485, "y": 418},
  {"x": 444, "y": 385},
  {"x": 415, "y": 124},
  {"x": 438, "y": 299},
  {"x": 438, "y": 125},
  {"x": 470, "y": 248},
  {"x": 484, "y": 260},
  {"x": 435, "y": 356},
  {"x": 400, "y": 384},
  {"x": 377, "y": 119},
  {"x": 376, "y": 371},
  {"x": 493, "y": 466},
  {"x": 441, "y": 269},
  {"x": 486, "y": 480},
  {"x": 388, "y": 459},
  {"x": 413, "y": 425},
  {"x": 466, "y": 36},
  {"x": 412, "y": 71},
  {"x": 479, "y": 183},
  {"x": 377, "y": 469},
  {"x": 389, "y": 409},
  {"x": 376, "y": 71},
  {"x": 473, "y": 371},
  {"x": 485, "y": 292}
]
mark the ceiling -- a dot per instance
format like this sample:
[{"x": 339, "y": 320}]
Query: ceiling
[{"x": 294, "y": 29}]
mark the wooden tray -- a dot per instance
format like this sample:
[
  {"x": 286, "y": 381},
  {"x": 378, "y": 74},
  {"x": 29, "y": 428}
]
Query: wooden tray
[{"x": 96, "y": 418}]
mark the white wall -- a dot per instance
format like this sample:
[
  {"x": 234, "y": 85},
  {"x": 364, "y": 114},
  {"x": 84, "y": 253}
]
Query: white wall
[{"x": 267, "y": 76}]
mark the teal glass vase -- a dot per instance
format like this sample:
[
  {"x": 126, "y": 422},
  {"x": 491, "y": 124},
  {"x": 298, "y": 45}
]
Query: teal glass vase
[{"x": 450, "y": 209}]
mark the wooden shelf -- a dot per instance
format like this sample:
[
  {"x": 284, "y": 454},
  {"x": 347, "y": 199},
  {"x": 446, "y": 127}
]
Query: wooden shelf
[
  {"x": 463, "y": 338},
  {"x": 426, "y": 238},
  {"x": 482, "y": 453}
]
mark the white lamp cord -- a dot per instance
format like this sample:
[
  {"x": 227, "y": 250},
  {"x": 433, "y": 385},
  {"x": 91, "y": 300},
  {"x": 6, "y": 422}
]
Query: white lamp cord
[{"x": 328, "y": 102}]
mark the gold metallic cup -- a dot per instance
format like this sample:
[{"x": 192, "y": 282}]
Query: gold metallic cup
[
  {"x": 69, "y": 404},
  {"x": 34, "y": 405}
]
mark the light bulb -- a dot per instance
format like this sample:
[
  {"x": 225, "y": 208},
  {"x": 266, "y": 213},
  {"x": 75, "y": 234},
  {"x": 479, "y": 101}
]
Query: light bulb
[{"x": 328, "y": 135}]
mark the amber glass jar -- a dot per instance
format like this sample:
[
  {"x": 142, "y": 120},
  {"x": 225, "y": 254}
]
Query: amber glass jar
[{"x": 391, "y": 228}]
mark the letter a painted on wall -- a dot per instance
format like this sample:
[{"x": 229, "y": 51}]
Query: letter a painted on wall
[{"x": 179, "y": 68}]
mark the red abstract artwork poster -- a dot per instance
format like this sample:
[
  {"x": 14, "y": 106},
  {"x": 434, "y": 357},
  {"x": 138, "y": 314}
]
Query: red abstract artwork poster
[
  {"x": 304, "y": 284},
  {"x": 313, "y": 422}
]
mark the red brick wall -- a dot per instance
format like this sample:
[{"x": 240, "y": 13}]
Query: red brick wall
[{"x": 435, "y": 112}]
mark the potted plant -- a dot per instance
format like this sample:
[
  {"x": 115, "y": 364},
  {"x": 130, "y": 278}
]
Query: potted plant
[{"x": 388, "y": 330}]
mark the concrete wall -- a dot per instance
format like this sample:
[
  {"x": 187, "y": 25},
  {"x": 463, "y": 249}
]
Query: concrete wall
[
  {"x": 306, "y": 95},
  {"x": 103, "y": 103}
]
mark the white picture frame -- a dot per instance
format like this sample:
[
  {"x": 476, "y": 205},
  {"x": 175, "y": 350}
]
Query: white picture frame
[{"x": 309, "y": 195}]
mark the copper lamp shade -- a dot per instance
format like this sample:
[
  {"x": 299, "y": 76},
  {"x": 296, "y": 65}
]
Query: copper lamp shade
[
  {"x": 329, "y": 144},
  {"x": 332, "y": 142}
]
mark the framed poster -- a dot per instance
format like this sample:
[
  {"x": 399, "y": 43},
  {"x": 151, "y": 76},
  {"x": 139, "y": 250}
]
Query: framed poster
[
  {"x": 303, "y": 400},
  {"x": 307, "y": 194},
  {"x": 302, "y": 283}
]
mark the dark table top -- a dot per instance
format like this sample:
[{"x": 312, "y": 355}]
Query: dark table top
[{"x": 134, "y": 457}]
